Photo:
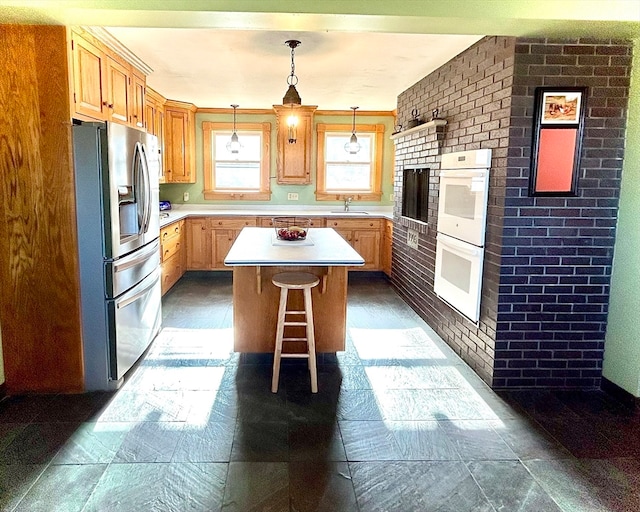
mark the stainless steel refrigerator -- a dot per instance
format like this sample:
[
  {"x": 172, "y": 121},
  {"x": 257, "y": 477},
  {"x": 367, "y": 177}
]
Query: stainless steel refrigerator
[{"x": 116, "y": 175}]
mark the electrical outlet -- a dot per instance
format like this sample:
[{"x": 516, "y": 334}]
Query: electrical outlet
[
  {"x": 391, "y": 197},
  {"x": 292, "y": 196},
  {"x": 412, "y": 238},
  {"x": 185, "y": 196}
]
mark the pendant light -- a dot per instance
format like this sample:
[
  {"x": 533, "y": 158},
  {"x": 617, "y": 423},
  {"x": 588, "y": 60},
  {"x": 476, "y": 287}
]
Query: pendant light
[
  {"x": 291, "y": 97},
  {"x": 234, "y": 144},
  {"x": 353, "y": 146}
]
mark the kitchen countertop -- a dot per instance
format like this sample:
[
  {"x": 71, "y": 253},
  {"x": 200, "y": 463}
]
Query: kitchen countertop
[
  {"x": 322, "y": 247},
  {"x": 179, "y": 212}
]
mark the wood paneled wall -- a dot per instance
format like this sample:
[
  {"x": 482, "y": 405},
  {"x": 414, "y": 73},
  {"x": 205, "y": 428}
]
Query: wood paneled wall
[{"x": 39, "y": 278}]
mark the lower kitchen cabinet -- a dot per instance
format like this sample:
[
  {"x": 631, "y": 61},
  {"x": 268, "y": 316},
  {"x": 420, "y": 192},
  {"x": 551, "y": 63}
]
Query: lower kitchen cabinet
[
  {"x": 385, "y": 252},
  {"x": 172, "y": 254},
  {"x": 364, "y": 237},
  {"x": 210, "y": 238}
]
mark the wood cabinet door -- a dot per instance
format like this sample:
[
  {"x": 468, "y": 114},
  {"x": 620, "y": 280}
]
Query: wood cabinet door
[
  {"x": 367, "y": 243},
  {"x": 88, "y": 78},
  {"x": 177, "y": 144},
  {"x": 118, "y": 89},
  {"x": 199, "y": 245},
  {"x": 294, "y": 160},
  {"x": 386, "y": 255},
  {"x": 223, "y": 240},
  {"x": 137, "y": 108}
]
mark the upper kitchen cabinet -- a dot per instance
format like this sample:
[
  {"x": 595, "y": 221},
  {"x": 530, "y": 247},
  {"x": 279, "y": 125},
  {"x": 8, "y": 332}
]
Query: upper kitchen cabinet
[
  {"x": 154, "y": 121},
  {"x": 138, "y": 93},
  {"x": 179, "y": 142},
  {"x": 118, "y": 91},
  {"x": 88, "y": 77},
  {"x": 106, "y": 86},
  {"x": 294, "y": 159}
]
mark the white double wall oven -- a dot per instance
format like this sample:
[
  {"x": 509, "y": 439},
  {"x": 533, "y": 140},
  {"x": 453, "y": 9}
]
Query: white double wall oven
[{"x": 462, "y": 219}]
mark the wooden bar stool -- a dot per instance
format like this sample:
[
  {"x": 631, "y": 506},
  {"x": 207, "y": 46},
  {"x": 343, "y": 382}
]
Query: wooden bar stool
[{"x": 295, "y": 281}]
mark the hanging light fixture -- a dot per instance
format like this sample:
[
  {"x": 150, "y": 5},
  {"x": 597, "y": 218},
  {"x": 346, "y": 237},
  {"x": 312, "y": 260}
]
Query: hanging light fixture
[
  {"x": 353, "y": 146},
  {"x": 291, "y": 97},
  {"x": 234, "y": 144}
]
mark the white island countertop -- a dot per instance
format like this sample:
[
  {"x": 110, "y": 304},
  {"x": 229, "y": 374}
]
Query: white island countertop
[{"x": 322, "y": 247}]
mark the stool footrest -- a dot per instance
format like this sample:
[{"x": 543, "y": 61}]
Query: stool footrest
[
  {"x": 295, "y": 312},
  {"x": 295, "y": 339},
  {"x": 299, "y": 324},
  {"x": 295, "y": 356}
]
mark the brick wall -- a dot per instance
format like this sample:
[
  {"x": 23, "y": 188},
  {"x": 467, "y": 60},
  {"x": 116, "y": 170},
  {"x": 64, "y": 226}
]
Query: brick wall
[
  {"x": 547, "y": 260},
  {"x": 557, "y": 251},
  {"x": 473, "y": 93}
]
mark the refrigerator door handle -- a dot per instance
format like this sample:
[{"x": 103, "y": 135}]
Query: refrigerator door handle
[
  {"x": 129, "y": 300},
  {"x": 147, "y": 187},
  {"x": 140, "y": 256}
]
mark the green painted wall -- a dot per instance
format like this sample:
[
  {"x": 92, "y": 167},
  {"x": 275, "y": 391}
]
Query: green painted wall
[
  {"x": 306, "y": 193},
  {"x": 622, "y": 345}
]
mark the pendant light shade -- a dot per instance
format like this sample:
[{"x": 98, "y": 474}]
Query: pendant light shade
[
  {"x": 292, "y": 97},
  {"x": 353, "y": 146},
  {"x": 234, "y": 145}
]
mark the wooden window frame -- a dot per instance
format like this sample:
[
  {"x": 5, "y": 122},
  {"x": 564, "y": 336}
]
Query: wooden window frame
[
  {"x": 264, "y": 194},
  {"x": 375, "y": 194}
]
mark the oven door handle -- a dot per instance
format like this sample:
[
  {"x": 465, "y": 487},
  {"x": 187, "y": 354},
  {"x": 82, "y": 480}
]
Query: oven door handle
[
  {"x": 464, "y": 173},
  {"x": 459, "y": 246}
]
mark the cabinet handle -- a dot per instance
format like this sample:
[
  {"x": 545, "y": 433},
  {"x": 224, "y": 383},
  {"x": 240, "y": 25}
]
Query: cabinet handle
[
  {"x": 176, "y": 229},
  {"x": 220, "y": 223},
  {"x": 202, "y": 228},
  {"x": 164, "y": 235}
]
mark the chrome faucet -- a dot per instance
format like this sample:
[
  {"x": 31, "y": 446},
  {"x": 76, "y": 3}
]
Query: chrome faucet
[{"x": 347, "y": 202}]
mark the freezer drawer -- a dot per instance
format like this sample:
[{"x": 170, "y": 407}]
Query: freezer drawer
[
  {"x": 135, "y": 319},
  {"x": 125, "y": 272}
]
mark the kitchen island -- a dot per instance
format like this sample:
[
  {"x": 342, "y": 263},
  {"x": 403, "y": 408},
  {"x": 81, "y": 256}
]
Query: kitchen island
[{"x": 257, "y": 255}]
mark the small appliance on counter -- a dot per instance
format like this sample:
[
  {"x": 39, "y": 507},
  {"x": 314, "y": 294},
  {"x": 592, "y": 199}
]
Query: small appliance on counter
[{"x": 165, "y": 205}]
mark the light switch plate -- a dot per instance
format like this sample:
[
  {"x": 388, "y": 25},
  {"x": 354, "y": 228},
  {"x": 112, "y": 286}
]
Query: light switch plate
[
  {"x": 292, "y": 196},
  {"x": 185, "y": 196},
  {"x": 412, "y": 238}
]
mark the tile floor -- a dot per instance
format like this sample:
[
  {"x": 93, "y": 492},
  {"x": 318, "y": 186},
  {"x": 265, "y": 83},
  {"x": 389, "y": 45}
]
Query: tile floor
[{"x": 400, "y": 424}]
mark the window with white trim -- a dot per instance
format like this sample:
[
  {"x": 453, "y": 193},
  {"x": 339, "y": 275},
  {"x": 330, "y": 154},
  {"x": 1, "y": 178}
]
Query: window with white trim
[
  {"x": 341, "y": 174},
  {"x": 241, "y": 175}
]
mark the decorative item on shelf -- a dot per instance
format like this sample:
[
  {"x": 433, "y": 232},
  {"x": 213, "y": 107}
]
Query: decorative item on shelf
[
  {"x": 291, "y": 228},
  {"x": 415, "y": 119},
  {"x": 397, "y": 129},
  {"x": 435, "y": 115},
  {"x": 234, "y": 144},
  {"x": 353, "y": 146},
  {"x": 291, "y": 97}
]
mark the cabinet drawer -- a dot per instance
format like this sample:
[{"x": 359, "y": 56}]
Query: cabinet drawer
[
  {"x": 172, "y": 270},
  {"x": 353, "y": 223},
  {"x": 233, "y": 222},
  {"x": 317, "y": 222},
  {"x": 171, "y": 247},
  {"x": 170, "y": 231}
]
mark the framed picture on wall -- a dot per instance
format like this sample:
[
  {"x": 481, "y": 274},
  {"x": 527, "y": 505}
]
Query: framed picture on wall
[{"x": 557, "y": 140}]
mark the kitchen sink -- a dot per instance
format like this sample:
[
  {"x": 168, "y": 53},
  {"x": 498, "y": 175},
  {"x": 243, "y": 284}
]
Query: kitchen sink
[{"x": 350, "y": 212}]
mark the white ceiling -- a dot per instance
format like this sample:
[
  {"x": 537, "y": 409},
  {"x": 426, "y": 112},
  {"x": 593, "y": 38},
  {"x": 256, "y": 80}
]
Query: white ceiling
[{"x": 336, "y": 70}]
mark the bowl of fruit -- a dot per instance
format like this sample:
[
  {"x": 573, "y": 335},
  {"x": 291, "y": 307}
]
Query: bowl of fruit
[{"x": 291, "y": 228}]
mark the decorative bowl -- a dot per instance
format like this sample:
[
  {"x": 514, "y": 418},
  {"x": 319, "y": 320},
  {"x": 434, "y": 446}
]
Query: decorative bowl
[{"x": 291, "y": 228}]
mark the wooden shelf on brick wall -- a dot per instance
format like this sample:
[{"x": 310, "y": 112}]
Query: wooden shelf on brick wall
[{"x": 423, "y": 126}]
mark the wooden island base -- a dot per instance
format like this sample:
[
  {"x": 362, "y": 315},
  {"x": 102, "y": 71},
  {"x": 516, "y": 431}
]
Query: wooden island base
[{"x": 255, "y": 308}]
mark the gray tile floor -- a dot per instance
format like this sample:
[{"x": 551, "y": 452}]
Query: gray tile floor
[{"x": 399, "y": 424}]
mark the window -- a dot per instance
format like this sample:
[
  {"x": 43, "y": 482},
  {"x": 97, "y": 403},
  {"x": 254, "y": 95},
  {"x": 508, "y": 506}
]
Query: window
[
  {"x": 340, "y": 174},
  {"x": 415, "y": 194},
  {"x": 244, "y": 175}
]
